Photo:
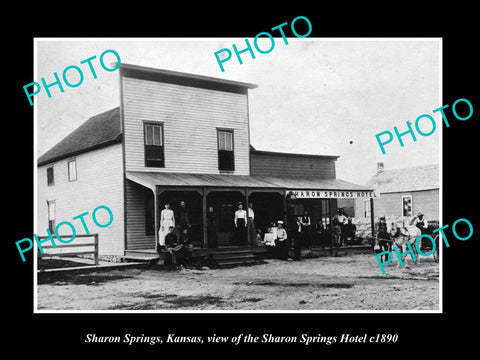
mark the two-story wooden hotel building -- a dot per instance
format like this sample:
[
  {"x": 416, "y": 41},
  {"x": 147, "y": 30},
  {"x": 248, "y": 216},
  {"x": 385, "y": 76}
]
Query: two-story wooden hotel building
[{"x": 178, "y": 137}]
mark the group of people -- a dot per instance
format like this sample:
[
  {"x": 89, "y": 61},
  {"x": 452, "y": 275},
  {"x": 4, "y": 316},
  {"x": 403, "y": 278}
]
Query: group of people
[
  {"x": 279, "y": 243},
  {"x": 244, "y": 220},
  {"x": 304, "y": 232},
  {"x": 168, "y": 239},
  {"x": 276, "y": 238},
  {"x": 383, "y": 237},
  {"x": 419, "y": 221},
  {"x": 343, "y": 229}
]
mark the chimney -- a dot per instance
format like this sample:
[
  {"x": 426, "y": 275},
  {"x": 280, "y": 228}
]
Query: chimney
[{"x": 379, "y": 167}]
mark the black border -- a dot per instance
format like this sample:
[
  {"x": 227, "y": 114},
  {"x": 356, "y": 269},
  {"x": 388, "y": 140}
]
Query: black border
[{"x": 427, "y": 334}]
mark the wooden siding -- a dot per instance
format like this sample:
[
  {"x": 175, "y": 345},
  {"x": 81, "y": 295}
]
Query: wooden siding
[
  {"x": 348, "y": 206},
  {"x": 390, "y": 204},
  {"x": 135, "y": 208},
  {"x": 190, "y": 118},
  {"x": 276, "y": 164},
  {"x": 99, "y": 182},
  {"x": 427, "y": 202}
]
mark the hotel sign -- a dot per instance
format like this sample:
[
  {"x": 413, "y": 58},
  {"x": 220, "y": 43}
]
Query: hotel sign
[{"x": 329, "y": 194}]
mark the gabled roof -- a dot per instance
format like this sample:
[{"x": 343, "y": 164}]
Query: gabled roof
[
  {"x": 416, "y": 178},
  {"x": 98, "y": 131}
]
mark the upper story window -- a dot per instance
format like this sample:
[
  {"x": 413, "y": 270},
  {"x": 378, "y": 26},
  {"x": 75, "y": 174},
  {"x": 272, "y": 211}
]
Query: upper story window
[
  {"x": 226, "y": 159},
  {"x": 50, "y": 176},
  {"x": 72, "y": 170},
  {"x": 154, "y": 154}
]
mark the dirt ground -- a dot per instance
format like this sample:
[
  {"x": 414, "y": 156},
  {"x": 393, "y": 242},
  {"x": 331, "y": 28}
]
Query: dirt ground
[{"x": 325, "y": 283}]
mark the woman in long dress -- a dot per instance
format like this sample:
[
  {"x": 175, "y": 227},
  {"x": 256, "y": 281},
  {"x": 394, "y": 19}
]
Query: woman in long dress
[
  {"x": 240, "y": 220},
  {"x": 167, "y": 219}
]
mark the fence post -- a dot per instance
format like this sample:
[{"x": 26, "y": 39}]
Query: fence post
[
  {"x": 332, "y": 236},
  {"x": 96, "y": 249}
]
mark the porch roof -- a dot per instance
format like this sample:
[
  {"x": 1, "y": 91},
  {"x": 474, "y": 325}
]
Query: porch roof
[{"x": 152, "y": 179}]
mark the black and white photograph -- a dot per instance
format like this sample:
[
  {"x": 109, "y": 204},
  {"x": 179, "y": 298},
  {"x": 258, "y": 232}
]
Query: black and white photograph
[
  {"x": 261, "y": 187},
  {"x": 211, "y": 181}
]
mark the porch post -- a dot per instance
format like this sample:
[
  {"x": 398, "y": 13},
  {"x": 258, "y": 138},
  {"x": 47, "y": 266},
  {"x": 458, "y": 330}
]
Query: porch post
[
  {"x": 155, "y": 213},
  {"x": 372, "y": 218},
  {"x": 285, "y": 209},
  {"x": 204, "y": 214},
  {"x": 330, "y": 206}
]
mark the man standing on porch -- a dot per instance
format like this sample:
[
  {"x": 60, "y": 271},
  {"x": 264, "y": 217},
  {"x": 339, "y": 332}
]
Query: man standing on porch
[
  {"x": 167, "y": 219},
  {"x": 183, "y": 222},
  {"x": 306, "y": 228},
  {"x": 281, "y": 242},
  {"x": 252, "y": 233},
  {"x": 211, "y": 229},
  {"x": 298, "y": 239}
]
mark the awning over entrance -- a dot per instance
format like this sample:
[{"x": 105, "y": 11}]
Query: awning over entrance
[{"x": 298, "y": 186}]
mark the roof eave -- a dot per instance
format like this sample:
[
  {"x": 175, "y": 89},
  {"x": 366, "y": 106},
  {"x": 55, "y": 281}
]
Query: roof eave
[
  {"x": 40, "y": 162},
  {"x": 253, "y": 150},
  {"x": 153, "y": 72}
]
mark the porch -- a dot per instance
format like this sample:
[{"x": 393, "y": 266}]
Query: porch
[
  {"x": 238, "y": 255},
  {"x": 273, "y": 199}
]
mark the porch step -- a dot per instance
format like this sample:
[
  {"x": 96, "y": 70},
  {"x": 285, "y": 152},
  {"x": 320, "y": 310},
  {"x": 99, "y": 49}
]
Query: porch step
[
  {"x": 221, "y": 257},
  {"x": 234, "y": 258},
  {"x": 140, "y": 255},
  {"x": 230, "y": 253},
  {"x": 137, "y": 258},
  {"x": 237, "y": 263}
]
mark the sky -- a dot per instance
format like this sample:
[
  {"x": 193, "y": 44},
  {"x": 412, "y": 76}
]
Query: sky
[{"x": 314, "y": 96}]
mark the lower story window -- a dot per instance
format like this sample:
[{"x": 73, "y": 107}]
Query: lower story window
[
  {"x": 367, "y": 211},
  {"x": 407, "y": 205},
  {"x": 51, "y": 215}
]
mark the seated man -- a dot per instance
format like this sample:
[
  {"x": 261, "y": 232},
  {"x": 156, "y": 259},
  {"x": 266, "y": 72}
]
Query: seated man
[
  {"x": 187, "y": 246},
  {"x": 172, "y": 245},
  {"x": 350, "y": 229}
]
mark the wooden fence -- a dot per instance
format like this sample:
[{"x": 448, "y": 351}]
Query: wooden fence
[{"x": 74, "y": 245}]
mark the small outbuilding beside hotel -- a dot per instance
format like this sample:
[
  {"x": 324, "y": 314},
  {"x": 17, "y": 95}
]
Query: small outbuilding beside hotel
[{"x": 404, "y": 192}]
